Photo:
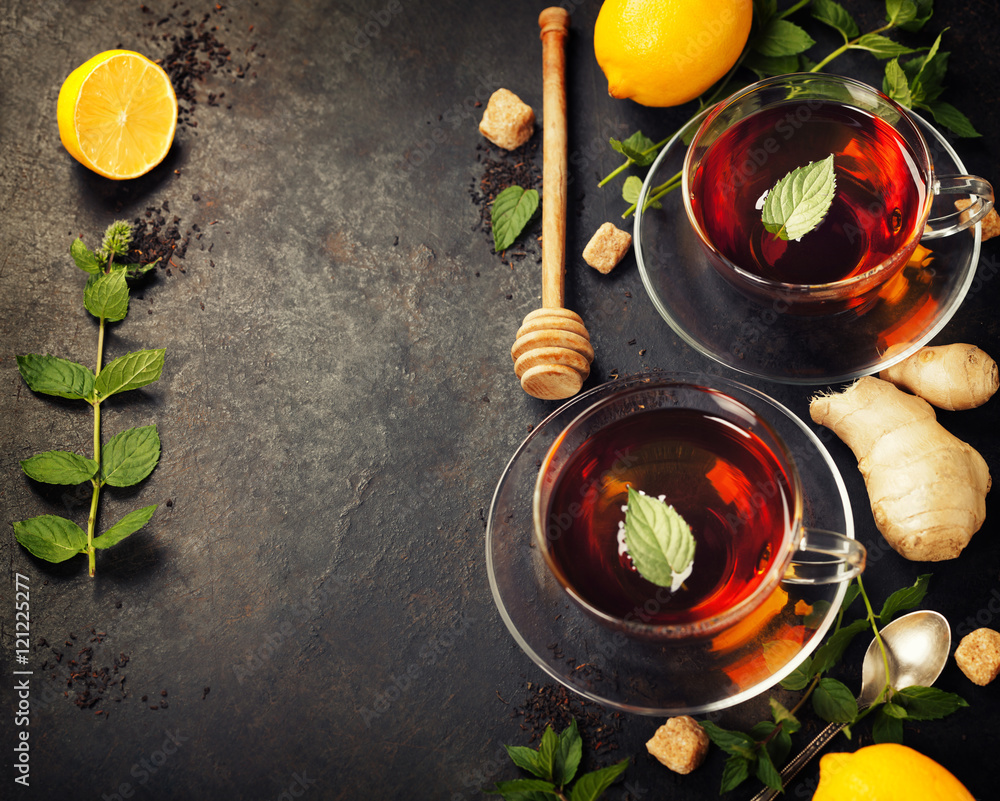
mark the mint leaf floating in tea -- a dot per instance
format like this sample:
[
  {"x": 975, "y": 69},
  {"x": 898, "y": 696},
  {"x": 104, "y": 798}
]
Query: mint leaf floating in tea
[
  {"x": 512, "y": 210},
  {"x": 800, "y": 200},
  {"x": 659, "y": 541}
]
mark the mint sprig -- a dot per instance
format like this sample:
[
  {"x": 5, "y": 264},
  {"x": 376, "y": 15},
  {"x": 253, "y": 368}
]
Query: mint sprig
[
  {"x": 658, "y": 540},
  {"x": 800, "y": 200},
  {"x": 555, "y": 765},
  {"x": 764, "y": 748},
  {"x": 130, "y": 456}
]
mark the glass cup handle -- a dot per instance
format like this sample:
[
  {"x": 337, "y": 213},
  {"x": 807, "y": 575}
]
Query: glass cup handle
[
  {"x": 969, "y": 185},
  {"x": 834, "y": 558}
]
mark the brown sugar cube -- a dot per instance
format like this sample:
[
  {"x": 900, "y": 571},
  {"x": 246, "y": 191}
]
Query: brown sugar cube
[
  {"x": 978, "y": 655},
  {"x": 990, "y": 223},
  {"x": 680, "y": 744},
  {"x": 508, "y": 122},
  {"x": 606, "y": 248}
]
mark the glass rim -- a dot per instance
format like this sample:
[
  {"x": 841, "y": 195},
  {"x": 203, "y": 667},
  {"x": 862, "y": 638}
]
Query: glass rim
[
  {"x": 768, "y": 584},
  {"x": 830, "y": 288}
]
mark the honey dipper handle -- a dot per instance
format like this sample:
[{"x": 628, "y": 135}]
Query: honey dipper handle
[{"x": 554, "y": 23}]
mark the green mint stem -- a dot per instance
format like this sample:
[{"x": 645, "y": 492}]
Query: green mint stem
[
  {"x": 847, "y": 46},
  {"x": 789, "y": 11},
  {"x": 878, "y": 638}
]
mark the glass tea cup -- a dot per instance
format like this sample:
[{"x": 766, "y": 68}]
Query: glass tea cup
[
  {"x": 885, "y": 189},
  {"x": 708, "y": 453}
]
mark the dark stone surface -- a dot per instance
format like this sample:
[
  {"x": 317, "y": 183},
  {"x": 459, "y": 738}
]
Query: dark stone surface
[{"x": 338, "y": 404}]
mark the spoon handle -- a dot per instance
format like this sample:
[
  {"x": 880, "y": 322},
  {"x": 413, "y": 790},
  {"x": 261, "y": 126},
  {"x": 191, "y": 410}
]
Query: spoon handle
[{"x": 790, "y": 771}]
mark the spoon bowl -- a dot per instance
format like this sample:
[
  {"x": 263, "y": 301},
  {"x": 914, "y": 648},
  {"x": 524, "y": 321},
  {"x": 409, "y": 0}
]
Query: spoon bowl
[{"x": 916, "y": 646}]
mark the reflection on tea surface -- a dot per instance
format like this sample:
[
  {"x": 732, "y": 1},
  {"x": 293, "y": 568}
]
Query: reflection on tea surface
[
  {"x": 879, "y": 197},
  {"x": 723, "y": 480}
]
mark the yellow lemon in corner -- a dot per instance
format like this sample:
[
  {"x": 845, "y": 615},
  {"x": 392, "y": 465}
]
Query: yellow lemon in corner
[
  {"x": 667, "y": 52},
  {"x": 886, "y": 772},
  {"x": 117, "y": 114}
]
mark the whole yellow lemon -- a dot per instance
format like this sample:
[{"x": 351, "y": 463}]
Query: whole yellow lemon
[
  {"x": 886, "y": 772},
  {"x": 667, "y": 52}
]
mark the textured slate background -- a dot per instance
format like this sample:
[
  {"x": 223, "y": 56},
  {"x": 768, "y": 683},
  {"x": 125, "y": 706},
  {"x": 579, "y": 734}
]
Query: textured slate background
[{"x": 338, "y": 404}]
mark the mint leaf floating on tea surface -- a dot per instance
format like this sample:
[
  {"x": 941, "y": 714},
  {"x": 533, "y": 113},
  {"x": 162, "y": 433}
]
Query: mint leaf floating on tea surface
[
  {"x": 512, "y": 210},
  {"x": 800, "y": 200},
  {"x": 659, "y": 541}
]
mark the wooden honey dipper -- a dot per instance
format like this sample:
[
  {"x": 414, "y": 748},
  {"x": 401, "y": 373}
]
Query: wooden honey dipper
[{"x": 552, "y": 352}]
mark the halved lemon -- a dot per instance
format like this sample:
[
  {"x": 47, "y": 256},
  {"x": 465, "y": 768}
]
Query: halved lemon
[{"x": 117, "y": 114}]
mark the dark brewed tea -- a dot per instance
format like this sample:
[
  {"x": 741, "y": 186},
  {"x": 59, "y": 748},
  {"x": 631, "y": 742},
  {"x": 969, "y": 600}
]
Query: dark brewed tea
[
  {"x": 879, "y": 197},
  {"x": 724, "y": 481}
]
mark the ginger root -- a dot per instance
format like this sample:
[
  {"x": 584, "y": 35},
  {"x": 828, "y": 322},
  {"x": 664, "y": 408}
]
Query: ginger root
[
  {"x": 927, "y": 487},
  {"x": 952, "y": 377}
]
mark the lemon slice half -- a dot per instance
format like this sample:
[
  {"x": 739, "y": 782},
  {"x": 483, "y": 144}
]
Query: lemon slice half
[{"x": 117, "y": 114}]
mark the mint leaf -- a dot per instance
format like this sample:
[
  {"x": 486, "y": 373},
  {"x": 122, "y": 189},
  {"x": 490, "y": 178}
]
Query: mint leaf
[
  {"x": 512, "y": 210},
  {"x": 734, "y": 773},
  {"x": 569, "y": 752},
  {"x": 779, "y": 37},
  {"x": 735, "y": 743},
  {"x": 591, "y": 786},
  {"x": 904, "y": 599},
  {"x": 766, "y": 66},
  {"x": 106, "y": 296},
  {"x": 84, "y": 257},
  {"x": 526, "y": 759},
  {"x": 51, "y": 375},
  {"x": 881, "y": 46},
  {"x": 830, "y": 652},
  {"x": 766, "y": 771},
  {"x": 527, "y": 790},
  {"x": 896, "y": 85},
  {"x": 634, "y": 149},
  {"x": 658, "y": 539},
  {"x": 834, "y": 702},
  {"x": 953, "y": 119},
  {"x": 130, "y": 456},
  {"x": 129, "y": 524},
  {"x": 50, "y": 537},
  {"x": 886, "y": 728},
  {"x": 900, "y": 12},
  {"x": 59, "y": 467},
  {"x": 836, "y": 16},
  {"x": 800, "y": 200},
  {"x": 928, "y": 703},
  {"x": 783, "y": 716},
  {"x": 924, "y": 10},
  {"x": 894, "y": 710},
  {"x": 131, "y": 371},
  {"x": 799, "y": 678},
  {"x": 547, "y": 753}
]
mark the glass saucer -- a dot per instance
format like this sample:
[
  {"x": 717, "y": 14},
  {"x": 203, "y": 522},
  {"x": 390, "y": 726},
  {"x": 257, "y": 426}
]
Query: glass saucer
[
  {"x": 718, "y": 321},
  {"x": 643, "y": 676}
]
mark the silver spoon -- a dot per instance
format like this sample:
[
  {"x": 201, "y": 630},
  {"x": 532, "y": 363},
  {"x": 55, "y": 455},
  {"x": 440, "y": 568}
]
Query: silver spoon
[{"x": 917, "y": 646}]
